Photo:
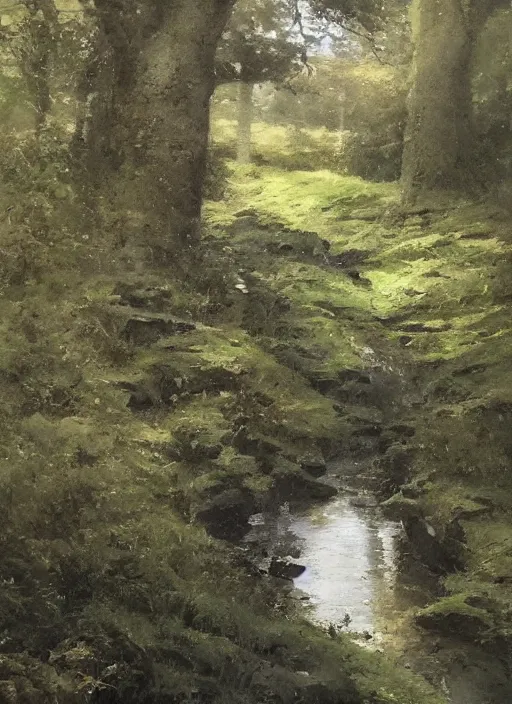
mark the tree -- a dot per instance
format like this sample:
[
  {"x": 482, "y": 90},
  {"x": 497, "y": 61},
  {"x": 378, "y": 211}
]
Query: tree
[
  {"x": 257, "y": 46},
  {"x": 440, "y": 145},
  {"x": 156, "y": 75}
]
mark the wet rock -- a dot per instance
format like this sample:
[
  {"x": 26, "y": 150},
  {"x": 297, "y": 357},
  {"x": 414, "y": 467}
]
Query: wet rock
[
  {"x": 315, "y": 466},
  {"x": 254, "y": 446},
  {"x": 283, "y": 569},
  {"x": 294, "y": 484},
  {"x": 478, "y": 235},
  {"x": 348, "y": 489},
  {"x": 364, "y": 502},
  {"x": 226, "y": 515},
  {"x": 401, "y": 508},
  {"x": 471, "y": 509}
]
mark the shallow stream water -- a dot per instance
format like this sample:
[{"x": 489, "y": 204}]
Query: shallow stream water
[{"x": 352, "y": 583}]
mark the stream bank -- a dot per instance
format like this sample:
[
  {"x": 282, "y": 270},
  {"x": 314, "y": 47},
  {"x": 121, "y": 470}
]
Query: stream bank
[
  {"x": 360, "y": 578},
  {"x": 345, "y": 276}
]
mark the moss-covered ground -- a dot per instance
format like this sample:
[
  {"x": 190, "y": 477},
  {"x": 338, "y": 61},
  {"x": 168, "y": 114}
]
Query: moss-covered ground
[
  {"x": 146, "y": 415},
  {"x": 420, "y": 295}
]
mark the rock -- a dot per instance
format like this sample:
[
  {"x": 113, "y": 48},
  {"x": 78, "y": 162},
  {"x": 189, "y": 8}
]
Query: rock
[
  {"x": 396, "y": 463},
  {"x": 294, "y": 484},
  {"x": 349, "y": 258},
  {"x": 345, "y": 375},
  {"x": 403, "y": 430},
  {"x": 470, "y": 369},
  {"x": 283, "y": 569},
  {"x": 348, "y": 489},
  {"x": 367, "y": 431},
  {"x": 424, "y": 327},
  {"x": 401, "y": 508},
  {"x": 456, "y": 616},
  {"x": 276, "y": 684},
  {"x": 430, "y": 550},
  {"x": 243, "y": 223},
  {"x": 412, "y": 491},
  {"x": 226, "y": 515},
  {"x": 147, "y": 328},
  {"x": 141, "y": 296},
  {"x": 364, "y": 502},
  {"x": 357, "y": 278},
  {"x": 315, "y": 466}
]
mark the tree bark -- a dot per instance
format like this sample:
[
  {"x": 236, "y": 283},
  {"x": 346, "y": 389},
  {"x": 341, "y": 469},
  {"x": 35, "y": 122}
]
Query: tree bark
[
  {"x": 42, "y": 35},
  {"x": 245, "y": 113},
  {"x": 439, "y": 145},
  {"x": 163, "y": 77}
]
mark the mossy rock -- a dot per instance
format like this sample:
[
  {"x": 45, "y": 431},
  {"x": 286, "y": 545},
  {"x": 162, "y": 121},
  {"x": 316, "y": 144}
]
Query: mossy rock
[
  {"x": 227, "y": 514},
  {"x": 401, "y": 508},
  {"x": 458, "y": 616},
  {"x": 291, "y": 482}
]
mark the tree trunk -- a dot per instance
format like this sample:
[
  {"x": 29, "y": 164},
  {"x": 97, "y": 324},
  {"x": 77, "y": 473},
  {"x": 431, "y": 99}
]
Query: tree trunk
[
  {"x": 163, "y": 66},
  {"x": 341, "y": 117},
  {"x": 439, "y": 144},
  {"x": 245, "y": 111}
]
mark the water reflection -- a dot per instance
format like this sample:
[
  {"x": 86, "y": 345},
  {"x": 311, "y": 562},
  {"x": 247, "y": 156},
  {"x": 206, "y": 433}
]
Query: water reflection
[{"x": 349, "y": 557}]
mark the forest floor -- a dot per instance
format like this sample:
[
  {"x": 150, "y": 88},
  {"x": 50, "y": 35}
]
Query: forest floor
[
  {"x": 413, "y": 311},
  {"x": 146, "y": 417}
]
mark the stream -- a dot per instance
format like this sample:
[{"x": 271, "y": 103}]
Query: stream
[{"x": 352, "y": 583}]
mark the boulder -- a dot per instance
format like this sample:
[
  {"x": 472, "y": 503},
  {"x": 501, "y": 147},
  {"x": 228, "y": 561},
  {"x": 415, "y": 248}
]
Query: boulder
[
  {"x": 401, "y": 508},
  {"x": 294, "y": 484},
  {"x": 315, "y": 466},
  {"x": 464, "y": 616},
  {"x": 226, "y": 515},
  {"x": 284, "y": 569}
]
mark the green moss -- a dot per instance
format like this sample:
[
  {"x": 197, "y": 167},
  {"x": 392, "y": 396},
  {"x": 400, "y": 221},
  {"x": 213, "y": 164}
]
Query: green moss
[{"x": 457, "y": 605}]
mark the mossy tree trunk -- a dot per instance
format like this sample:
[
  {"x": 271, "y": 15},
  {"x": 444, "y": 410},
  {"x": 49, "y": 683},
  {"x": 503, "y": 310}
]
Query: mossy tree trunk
[
  {"x": 162, "y": 57},
  {"x": 41, "y": 34},
  {"x": 440, "y": 150},
  {"x": 245, "y": 115}
]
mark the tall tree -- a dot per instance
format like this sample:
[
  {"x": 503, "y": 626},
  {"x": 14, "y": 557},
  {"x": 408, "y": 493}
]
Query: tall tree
[
  {"x": 439, "y": 149},
  {"x": 160, "y": 77}
]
